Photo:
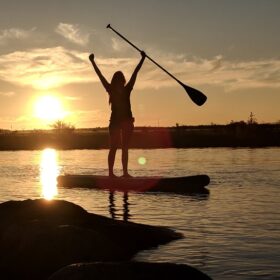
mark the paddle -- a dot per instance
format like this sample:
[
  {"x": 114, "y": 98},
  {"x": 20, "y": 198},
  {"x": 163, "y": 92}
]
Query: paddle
[{"x": 196, "y": 96}]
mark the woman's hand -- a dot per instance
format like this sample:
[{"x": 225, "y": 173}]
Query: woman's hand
[
  {"x": 143, "y": 54},
  {"x": 91, "y": 57}
]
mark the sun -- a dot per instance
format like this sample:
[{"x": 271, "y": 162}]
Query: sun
[{"x": 49, "y": 108}]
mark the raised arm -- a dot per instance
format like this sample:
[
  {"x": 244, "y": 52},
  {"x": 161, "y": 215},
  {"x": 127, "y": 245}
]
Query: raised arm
[
  {"x": 98, "y": 72},
  {"x": 134, "y": 74}
]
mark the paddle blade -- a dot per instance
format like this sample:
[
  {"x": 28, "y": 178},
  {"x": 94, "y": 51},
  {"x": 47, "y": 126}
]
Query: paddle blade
[{"x": 195, "y": 95}]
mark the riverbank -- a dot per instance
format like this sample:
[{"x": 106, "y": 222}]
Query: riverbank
[{"x": 232, "y": 135}]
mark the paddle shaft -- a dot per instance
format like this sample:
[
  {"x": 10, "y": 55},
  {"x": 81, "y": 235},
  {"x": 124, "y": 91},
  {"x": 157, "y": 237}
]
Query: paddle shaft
[
  {"x": 158, "y": 65},
  {"x": 196, "y": 96}
]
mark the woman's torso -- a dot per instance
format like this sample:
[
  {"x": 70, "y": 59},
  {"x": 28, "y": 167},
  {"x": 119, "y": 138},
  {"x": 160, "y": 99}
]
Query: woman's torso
[{"x": 120, "y": 105}]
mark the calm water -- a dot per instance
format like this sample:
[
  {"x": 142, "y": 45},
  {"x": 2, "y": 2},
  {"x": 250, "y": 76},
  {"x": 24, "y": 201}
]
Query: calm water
[{"x": 234, "y": 233}]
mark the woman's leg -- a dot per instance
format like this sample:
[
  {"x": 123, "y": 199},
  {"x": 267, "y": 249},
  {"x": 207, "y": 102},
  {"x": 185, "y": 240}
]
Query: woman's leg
[
  {"x": 111, "y": 161},
  {"x": 127, "y": 130},
  {"x": 125, "y": 161},
  {"x": 114, "y": 142}
]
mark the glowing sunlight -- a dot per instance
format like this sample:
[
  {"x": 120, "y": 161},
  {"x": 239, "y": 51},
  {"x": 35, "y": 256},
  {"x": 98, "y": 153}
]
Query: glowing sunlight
[
  {"x": 49, "y": 108},
  {"x": 48, "y": 173},
  {"x": 46, "y": 82}
]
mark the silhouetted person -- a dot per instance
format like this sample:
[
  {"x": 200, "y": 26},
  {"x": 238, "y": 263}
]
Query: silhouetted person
[{"x": 121, "y": 122}]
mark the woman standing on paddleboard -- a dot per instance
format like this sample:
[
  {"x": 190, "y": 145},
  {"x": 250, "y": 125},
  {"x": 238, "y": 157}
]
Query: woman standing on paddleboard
[{"x": 121, "y": 122}]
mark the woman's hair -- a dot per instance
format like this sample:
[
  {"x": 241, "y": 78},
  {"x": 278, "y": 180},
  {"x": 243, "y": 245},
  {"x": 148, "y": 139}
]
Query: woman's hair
[{"x": 117, "y": 79}]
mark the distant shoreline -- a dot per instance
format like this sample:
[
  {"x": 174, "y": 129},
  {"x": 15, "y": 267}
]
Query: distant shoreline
[{"x": 232, "y": 135}]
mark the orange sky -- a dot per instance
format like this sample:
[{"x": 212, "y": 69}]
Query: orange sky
[{"x": 230, "y": 51}]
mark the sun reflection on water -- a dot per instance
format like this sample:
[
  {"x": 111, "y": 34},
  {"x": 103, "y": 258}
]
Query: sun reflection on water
[{"x": 49, "y": 171}]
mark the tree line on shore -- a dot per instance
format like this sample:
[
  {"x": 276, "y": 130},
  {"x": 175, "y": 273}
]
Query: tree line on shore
[{"x": 234, "y": 134}]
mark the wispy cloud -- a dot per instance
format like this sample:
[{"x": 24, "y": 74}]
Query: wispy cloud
[
  {"x": 44, "y": 68},
  {"x": 7, "y": 93},
  {"x": 239, "y": 74},
  {"x": 73, "y": 33},
  {"x": 72, "y": 98},
  {"x": 119, "y": 45},
  {"x": 231, "y": 75},
  {"x": 55, "y": 67},
  {"x": 14, "y": 33}
]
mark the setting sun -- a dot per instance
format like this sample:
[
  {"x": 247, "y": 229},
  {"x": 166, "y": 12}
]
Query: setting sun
[{"x": 49, "y": 108}]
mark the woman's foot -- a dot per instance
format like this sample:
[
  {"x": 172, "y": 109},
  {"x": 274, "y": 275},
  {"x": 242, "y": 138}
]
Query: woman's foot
[
  {"x": 126, "y": 175},
  {"x": 112, "y": 175}
]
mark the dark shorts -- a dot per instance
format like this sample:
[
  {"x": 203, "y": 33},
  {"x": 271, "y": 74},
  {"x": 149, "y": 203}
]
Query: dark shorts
[{"x": 120, "y": 133}]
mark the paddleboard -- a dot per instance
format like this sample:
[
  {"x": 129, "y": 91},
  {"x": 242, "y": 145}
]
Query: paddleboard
[{"x": 186, "y": 184}]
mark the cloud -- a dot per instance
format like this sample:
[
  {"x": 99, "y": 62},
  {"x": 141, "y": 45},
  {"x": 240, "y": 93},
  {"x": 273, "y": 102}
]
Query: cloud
[
  {"x": 119, "y": 45},
  {"x": 7, "y": 93},
  {"x": 230, "y": 75},
  {"x": 14, "y": 33},
  {"x": 44, "y": 68},
  {"x": 241, "y": 74},
  {"x": 54, "y": 67},
  {"x": 72, "y": 33}
]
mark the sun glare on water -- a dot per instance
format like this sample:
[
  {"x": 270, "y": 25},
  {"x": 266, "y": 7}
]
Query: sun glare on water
[
  {"x": 49, "y": 108},
  {"x": 49, "y": 171}
]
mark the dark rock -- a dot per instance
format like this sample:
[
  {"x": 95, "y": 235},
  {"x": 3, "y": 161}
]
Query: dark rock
[
  {"x": 128, "y": 271},
  {"x": 38, "y": 237}
]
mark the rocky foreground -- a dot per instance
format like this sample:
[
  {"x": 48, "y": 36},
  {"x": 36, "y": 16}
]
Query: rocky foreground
[{"x": 39, "y": 237}]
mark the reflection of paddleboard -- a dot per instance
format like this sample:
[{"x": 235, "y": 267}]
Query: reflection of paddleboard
[{"x": 187, "y": 184}]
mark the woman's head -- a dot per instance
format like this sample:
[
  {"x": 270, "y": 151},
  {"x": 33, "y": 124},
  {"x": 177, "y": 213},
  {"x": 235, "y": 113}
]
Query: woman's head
[{"x": 118, "y": 79}]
